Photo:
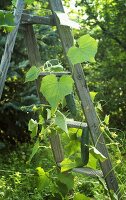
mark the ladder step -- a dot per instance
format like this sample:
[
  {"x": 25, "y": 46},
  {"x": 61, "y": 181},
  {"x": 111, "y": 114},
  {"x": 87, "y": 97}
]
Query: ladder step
[
  {"x": 73, "y": 124},
  {"x": 34, "y": 19},
  {"x": 88, "y": 172},
  {"x": 76, "y": 124},
  {"x": 58, "y": 74}
]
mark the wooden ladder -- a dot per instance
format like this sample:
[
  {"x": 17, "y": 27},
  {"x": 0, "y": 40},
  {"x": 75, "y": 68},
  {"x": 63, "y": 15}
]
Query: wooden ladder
[{"x": 93, "y": 123}]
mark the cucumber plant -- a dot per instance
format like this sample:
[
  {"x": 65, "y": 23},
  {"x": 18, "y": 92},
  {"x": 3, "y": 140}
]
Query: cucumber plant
[{"x": 55, "y": 90}]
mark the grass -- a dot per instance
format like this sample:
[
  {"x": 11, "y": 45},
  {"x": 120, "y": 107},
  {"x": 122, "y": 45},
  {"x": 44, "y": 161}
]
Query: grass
[{"x": 19, "y": 180}]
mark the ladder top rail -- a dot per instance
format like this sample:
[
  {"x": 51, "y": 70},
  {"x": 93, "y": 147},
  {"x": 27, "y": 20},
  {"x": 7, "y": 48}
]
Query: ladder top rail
[{"x": 10, "y": 42}]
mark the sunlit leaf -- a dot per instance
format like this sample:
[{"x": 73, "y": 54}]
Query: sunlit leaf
[
  {"x": 60, "y": 120},
  {"x": 79, "y": 196},
  {"x": 54, "y": 89},
  {"x": 92, "y": 163},
  {"x": 32, "y": 74},
  {"x": 97, "y": 154},
  {"x": 76, "y": 55},
  {"x": 85, "y": 52},
  {"x": 33, "y": 127},
  {"x": 29, "y": 1},
  {"x": 93, "y": 95},
  {"x": 43, "y": 180},
  {"x": 67, "y": 164},
  {"x": 106, "y": 120},
  {"x": 48, "y": 113},
  {"x": 89, "y": 47}
]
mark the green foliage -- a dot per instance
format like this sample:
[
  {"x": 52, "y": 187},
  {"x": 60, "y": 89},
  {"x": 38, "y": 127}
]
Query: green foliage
[
  {"x": 67, "y": 164},
  {"x": 79, "y": 196},
  {"x": 33, "y": 127},
  {"x": 32, "y": 74},
  {"x": 34, "y": 150},
  {"x": 60, "y": 121},
  {"x": 67, "y": 179},
  {"x": 92, "y": 161},
  {"x": 55, "y": 90},
  {"x": 85, "y": 52},
  {"x": 43, "y": 180},
  {"x": 97, "y": 154},
  {"x": 6, "y": 21},
  {"x": 29, "y": 1},
  {"x": 70, "y": 101},
  {"x": 106, "y": 22}
]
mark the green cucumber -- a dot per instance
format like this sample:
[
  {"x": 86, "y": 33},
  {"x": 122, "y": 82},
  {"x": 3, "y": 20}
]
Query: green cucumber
[
  {"x": 71, "y": 104},
  {"x": 85, "y": 146}
]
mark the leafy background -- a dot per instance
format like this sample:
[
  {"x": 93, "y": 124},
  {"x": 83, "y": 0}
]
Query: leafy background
[{"x": 106, "y": 22}]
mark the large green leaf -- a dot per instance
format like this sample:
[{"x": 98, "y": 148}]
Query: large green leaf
[
  {"x": 34, "y": 150},
  {"x": 33, "y": 127},
  {"x": 67, "y": 164},
  {"x": 97, "y": 154},
  {"x": 92, "y": 163},
  {"x": 43, "y": 178},
  {"x": 32, "y": 74},
  {"x": 29, "y": 1},
  {"x": 6, "y": 21},
  {"x": 60, "y": 120},
  {"x": 76, "y": 55},
  {"x": 2, "y": 21},
  {"x": 79, "y": 196},
  {"x": 89, "y": 47},
  {"x": 85, "y": 52},
  {"x": 67, "y": 179},
  {"x": 54, "y": 89}
]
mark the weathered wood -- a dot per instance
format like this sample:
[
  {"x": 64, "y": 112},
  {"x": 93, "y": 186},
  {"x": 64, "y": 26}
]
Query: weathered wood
[
  {"x": 58, "y": 74},
  {"x": 87, "y": 105},
  {"x": 32, "y": 47},
  {"x": 33, "y": 53},
  {"x": 76, "y": 124},
  {"x": 88, "y": 171},
  {"x": 10, "y": 42},
  {"x": 33, "y": 19},
  {"x": 56, "y": 148},
  {"x": 35, "y": 59},
  {"x": 73, "y": 124}
]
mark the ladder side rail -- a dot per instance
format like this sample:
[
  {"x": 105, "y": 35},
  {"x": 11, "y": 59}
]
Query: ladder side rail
[
  {"x": 31, "y": 44},
  {"x": 33, "y": 51},
  {"x": 35, "y": 59},
  {"x": 87, "y": 105},
  {"x": 10, "y": 42}
]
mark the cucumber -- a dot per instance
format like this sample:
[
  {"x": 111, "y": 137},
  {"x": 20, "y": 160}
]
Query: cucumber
[
  {"x": 85, "y": 146},
  {"x": 71, "y": 104}
]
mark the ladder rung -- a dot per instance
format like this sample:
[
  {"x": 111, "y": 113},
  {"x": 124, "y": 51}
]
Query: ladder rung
[
  {"x": 33, "y": 19},
  {"x": 73, "y": 124},
  {"x": 55, "y": 73},
  {"x": 88, "y": 171},
  {"x": 76, "y": 124}
]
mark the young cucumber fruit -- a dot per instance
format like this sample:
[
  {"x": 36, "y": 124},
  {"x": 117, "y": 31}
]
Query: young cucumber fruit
[
  {"x": 85, "y": 146},
  {"x": 71, "y": 104}
]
